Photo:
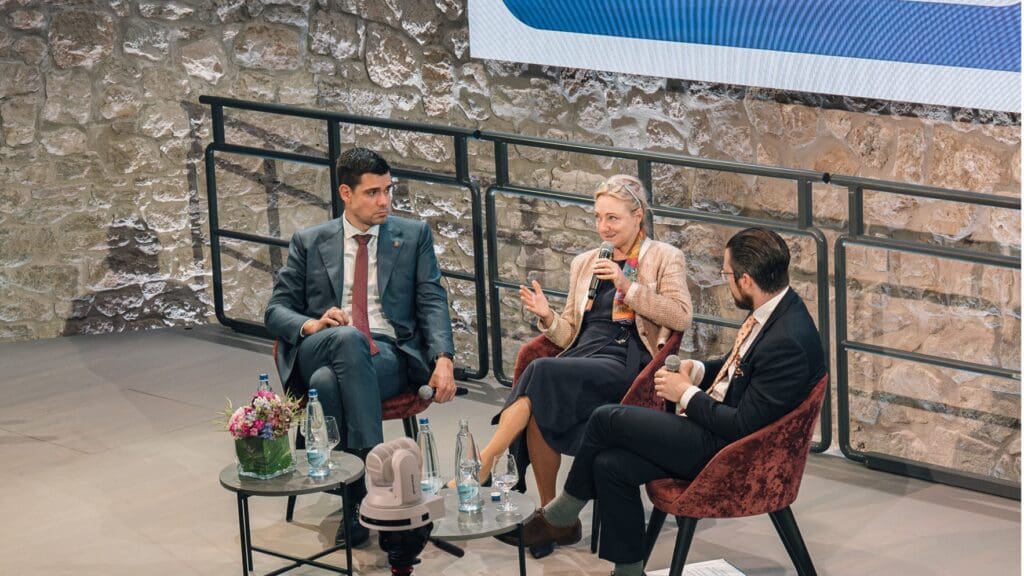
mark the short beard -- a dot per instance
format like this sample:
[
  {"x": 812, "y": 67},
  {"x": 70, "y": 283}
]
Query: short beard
[{"x": 744, "y": 302}]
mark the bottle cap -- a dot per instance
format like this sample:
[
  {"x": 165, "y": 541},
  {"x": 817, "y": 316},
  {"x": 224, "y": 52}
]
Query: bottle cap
[
  {"x": 424, "y": 421},
  {"x": 312, "y": 393},
  {"x": 264, "y": 377},
  {"x": 495, "y": 496}
]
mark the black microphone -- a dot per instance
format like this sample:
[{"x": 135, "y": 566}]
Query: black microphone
[
  {"x": 605, "y": 252},
  {"x": 672, "y": 364},
  {"x": 426, "y": 392}
]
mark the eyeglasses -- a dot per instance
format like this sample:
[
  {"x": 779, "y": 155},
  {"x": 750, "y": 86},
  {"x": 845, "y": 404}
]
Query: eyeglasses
[{"x": 726, "y": 274}]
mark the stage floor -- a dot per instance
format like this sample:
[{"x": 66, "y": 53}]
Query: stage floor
[{"x": 109, "y": 456}]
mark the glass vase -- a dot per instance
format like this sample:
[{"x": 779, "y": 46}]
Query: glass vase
[{"x": 262, "y": 458}]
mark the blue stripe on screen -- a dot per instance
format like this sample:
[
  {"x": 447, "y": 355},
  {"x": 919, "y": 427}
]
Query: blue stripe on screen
[{"x": 985, "y": 37}]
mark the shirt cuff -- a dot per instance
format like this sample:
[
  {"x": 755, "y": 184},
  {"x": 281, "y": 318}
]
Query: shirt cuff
[
  {"x": 631, "y": 291},
  {"x": 696, "y": 376}
]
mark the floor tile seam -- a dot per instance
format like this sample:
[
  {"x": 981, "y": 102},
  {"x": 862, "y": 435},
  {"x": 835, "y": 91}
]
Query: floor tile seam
[
  {"x": 45, "y": 441},
  {"x": 161, "y": 397}
]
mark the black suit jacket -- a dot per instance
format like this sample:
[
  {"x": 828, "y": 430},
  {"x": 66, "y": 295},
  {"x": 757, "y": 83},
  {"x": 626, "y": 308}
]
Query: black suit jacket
[{"x": 776, "y": 374}]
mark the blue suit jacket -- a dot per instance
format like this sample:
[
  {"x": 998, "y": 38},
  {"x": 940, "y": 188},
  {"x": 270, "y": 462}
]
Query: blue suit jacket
[{"x": 408, "y": 280}]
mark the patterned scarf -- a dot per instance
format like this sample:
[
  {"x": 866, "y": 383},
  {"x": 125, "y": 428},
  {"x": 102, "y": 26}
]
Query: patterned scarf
[{"x": 621, "y": 313}]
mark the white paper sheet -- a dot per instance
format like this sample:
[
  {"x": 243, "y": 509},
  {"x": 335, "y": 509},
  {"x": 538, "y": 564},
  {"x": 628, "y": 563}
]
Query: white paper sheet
[{"x": 709, "y": 568}]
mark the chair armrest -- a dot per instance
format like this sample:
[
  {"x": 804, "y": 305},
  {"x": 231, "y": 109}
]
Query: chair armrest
[
  {"x": 641, "y": 393},
  {"x": 539, "y": 347}
]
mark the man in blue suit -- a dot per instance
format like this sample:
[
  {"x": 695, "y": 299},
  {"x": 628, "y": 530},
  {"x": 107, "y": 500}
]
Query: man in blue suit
[{"x": 360, "y": 311}]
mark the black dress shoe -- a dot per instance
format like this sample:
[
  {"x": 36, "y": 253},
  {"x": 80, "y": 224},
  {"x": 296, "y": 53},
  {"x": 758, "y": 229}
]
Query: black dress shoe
[
  {"x": 541, "y": 550},
  {"x": 358, "y": 534}
]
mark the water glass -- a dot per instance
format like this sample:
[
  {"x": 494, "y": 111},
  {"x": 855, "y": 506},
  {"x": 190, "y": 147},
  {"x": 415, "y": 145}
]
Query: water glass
[
  {"x": 333, "y": 438},
  {"x": 505, "y": 476}
]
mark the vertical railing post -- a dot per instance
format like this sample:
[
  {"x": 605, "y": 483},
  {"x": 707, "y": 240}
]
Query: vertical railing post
[
  {"x": 480, "y": 282},
  {"x": 804, "y": 204},
  {"x": 217, "y": 116},
  {"x": 333, "y": 152},
  {"x": 856, "y": 211},
  {"x": 501, "y": 178},
  {"x": 643, "y": 173}
]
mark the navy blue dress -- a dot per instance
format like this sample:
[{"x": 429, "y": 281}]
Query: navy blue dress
[{"x": 565, "y": 390}]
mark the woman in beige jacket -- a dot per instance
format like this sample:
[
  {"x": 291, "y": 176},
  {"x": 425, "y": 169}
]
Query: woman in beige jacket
[{"x": 641, "y": 297}]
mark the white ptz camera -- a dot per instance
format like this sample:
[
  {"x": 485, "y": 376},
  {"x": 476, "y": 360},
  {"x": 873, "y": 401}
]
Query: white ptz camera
[{"x": 394, "y": 499}]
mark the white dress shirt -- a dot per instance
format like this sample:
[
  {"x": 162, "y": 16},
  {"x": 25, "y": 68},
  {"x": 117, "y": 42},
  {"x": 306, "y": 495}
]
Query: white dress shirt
[
  {"x": 375, "y": 314},
  {"x": 761, "y": 315}
]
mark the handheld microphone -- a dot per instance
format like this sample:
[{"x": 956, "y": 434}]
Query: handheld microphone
[
  {"x": 672, "y": 364},
  {"x": 605, "y": 252},
  {"x": 426, "y": 392}
]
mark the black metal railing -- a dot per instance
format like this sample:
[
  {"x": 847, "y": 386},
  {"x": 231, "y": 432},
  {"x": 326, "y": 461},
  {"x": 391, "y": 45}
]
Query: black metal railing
[
  {"x": 489, "y": 287},
  {"x": 856, "y": 236},
  {"x": 333, "y": 122}
]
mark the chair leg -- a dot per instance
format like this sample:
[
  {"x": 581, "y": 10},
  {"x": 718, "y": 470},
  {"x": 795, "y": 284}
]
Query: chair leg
[
  {"x": 595, "y": 528},
  {"x": 290, "y": 511},
  {"x": 411, "y": 428},
  {"x": 653, "y": 529},
  {"x": 785, "y": 525},
  {"x": 687, "y": 526}
]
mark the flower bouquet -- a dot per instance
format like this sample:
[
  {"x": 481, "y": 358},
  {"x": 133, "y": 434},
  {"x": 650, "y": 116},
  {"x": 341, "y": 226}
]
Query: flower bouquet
[{"x": 260, "y": 429}]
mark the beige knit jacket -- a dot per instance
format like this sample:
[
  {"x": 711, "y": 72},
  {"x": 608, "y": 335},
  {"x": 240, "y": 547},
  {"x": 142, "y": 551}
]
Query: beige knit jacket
[{"x": 659, "y": 296}]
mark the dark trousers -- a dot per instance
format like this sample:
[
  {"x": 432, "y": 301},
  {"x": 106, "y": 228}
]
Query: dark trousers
[
  {"x": 352, "y": 384},
  {"x": 624, "y": 447}
]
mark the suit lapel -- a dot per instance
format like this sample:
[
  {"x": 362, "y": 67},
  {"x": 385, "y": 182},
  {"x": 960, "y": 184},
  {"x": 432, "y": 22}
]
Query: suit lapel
[
  {"x": 389, "y": 244},
  {"x": 332, "y": 254}
]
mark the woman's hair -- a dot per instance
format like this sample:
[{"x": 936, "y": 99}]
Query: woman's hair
[{"x": 628, "y": 189}]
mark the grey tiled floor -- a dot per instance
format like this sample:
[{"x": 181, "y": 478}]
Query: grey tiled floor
[{"x": 110, "y": 459}]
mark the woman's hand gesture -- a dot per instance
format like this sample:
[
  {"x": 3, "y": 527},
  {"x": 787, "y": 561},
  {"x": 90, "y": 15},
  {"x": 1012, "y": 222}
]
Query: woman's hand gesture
[
  {"x": 536, "y": 302},
  {"x": 606, "y": 269}
]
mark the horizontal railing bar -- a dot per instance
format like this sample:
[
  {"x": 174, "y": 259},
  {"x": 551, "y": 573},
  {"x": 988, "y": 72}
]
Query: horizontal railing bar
[
  {"x": 930, "y": 359},
  {"x": 296, "y": 111},
  {"x": 270, "y": 154},
  {"x": 257, "y": 238},
  {"x": 922, "y": 191},
  {"x": 701, "y": 318},
  {"x": 459, "y": 275},
  {"x": 947, "y": 252},
  {"x": 657, "y": 210},
  {"x": 424, "y": 176},
  {"x": 656, "y": 157},
  {"x": 942, "y": 475}
]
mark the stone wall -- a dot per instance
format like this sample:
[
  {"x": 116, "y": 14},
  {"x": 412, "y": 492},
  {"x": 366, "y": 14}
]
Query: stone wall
[{"x": 103, "y": 220}]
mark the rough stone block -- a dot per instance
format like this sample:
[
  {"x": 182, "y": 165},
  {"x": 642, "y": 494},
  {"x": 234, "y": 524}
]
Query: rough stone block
[
  {"x": 268, "y": 47},
  {"x": 18, "y": 116},
  {"x": 80, "y": 38},
  {"x": 18, "y": 78}
]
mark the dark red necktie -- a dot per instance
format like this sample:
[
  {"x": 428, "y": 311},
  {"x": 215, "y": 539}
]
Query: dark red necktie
[{"x": 359, "y": 317}]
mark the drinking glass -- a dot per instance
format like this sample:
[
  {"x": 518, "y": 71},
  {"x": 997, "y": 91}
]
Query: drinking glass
[
  {"x": 333, "y": 438},
  {"x": 505, "y": 477}
]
